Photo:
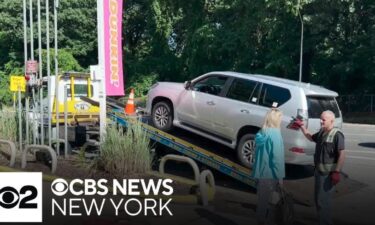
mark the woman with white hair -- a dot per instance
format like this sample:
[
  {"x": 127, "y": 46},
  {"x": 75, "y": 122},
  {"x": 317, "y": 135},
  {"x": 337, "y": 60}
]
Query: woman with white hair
[{"x": 269, "y": 166}]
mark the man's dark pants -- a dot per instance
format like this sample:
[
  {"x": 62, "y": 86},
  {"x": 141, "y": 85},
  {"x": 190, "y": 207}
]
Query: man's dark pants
[{"x": 324, "y": 190}]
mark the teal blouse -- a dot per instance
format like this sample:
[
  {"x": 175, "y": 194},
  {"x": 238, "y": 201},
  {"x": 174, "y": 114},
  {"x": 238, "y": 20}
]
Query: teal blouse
[{"x": 269, "y": 155}]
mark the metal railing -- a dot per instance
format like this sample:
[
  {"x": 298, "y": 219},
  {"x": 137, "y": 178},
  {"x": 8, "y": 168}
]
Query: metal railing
[
  {"x": 205, "y": 181},
  {"x": 357, "y": 103},
  {"x": 13, "y": 151},
  {"x": 33, "y": 149}
]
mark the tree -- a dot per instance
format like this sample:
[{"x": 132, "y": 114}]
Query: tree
[{"x": 177, "y": 40}]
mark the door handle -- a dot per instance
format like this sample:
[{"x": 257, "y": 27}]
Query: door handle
[
  {"x": 210, "y": 103},
  {"x": 245, "y": 111}
]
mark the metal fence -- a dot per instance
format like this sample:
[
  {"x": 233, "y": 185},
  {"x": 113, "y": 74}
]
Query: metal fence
[{"x": 357, "y": 103}]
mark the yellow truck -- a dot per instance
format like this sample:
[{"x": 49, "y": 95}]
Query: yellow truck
[{"x": 79, "y": 86}]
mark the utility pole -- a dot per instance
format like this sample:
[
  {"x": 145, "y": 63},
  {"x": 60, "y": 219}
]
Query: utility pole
[
  {"x": 27, "y": 102},
  {"x": 31, "y": 30},
  {"x": 25, "y": 56},
  {"x": 40, "y": 77},
  {"x": 301, "y": 50},
  {"x": 56, "y": 5},
  {"x": 49, "y": 76}
]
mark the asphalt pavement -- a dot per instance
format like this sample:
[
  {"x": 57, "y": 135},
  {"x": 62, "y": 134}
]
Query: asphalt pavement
[
  {"x": 358, "y": 206},
  {"x": 354, "y": 199}
]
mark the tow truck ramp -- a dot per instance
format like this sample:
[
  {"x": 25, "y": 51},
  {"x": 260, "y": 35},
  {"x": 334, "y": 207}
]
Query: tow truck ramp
[{"x": 197, "y": 153}]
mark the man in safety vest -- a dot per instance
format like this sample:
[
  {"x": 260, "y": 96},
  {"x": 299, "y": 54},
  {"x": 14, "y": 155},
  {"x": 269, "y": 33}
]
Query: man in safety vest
[{"x": 328, "y": 158}]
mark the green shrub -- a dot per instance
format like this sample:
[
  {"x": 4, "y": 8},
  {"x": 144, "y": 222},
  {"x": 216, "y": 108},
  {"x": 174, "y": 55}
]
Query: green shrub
[
  {"x": 5, "y": 93},
  {"x": 141, "y": 84},
  {"x": 125, "y": 152}
]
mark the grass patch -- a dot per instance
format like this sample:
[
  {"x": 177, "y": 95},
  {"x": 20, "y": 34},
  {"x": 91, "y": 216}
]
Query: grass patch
[
  {"x": 8, "y": 124},
  {"x": 125, "y": 151}
]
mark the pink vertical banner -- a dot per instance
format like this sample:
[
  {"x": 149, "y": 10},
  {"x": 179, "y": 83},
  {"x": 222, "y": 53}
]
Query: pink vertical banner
[{"x": 113, "y": 47}]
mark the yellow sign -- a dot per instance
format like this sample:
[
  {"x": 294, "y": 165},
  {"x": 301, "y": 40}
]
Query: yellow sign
[{"x": 17, "y": 82}]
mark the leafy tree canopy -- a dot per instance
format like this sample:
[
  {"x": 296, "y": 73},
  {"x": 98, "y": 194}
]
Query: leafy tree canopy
[{"x": 177, "y": 40}]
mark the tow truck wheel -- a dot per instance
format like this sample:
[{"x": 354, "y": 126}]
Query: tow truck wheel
[
  {"x": 162, "y": 116},
  {"x": 246, "y": 150}
]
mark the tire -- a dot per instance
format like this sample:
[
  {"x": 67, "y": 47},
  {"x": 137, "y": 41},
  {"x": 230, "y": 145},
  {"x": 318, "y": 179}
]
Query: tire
[
  {"x": 246, "y": 150},
  {"x": 162, "y": 116}
]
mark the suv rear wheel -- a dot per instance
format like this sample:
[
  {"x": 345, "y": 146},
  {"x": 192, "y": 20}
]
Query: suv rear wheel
[
  {"x": 162, "y": 116},
  {"x": 246, "y": 150}
]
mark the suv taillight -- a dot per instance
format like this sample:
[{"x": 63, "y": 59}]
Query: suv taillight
[
  {"x": 297, "y": 150},
  {"x": 303, "y": 115}
]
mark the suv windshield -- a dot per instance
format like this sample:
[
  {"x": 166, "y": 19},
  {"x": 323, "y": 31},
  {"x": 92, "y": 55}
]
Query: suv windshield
[
  {"x": 79, "y": 90},
  {"x": 316, "y": 105}
]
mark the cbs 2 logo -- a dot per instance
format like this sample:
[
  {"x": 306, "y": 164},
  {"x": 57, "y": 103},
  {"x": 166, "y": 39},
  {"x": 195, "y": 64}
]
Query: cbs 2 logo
[{"x": 9, "y": 197}]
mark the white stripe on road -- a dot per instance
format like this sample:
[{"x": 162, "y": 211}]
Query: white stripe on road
[
  {"x": 354, "y": 140},
  {"x": 355, "y": 151},
  {"x": 360, "y": 157},
  {"x": 356, "y": 134},
  {"x": 357, "y": 125}
]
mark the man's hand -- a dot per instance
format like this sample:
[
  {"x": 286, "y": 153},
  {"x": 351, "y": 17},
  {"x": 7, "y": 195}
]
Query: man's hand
[
  {"x": 335, "y": 177},
  {"x": 296, "y": 124}
]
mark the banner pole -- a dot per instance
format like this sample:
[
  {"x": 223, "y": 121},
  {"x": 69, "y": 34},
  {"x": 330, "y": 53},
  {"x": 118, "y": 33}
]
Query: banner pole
[{"x": 101, "y": 69}]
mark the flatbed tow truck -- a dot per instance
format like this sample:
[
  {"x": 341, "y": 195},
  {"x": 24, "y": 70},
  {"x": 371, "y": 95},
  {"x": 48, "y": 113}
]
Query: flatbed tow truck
[{"x": 223, "y": 165}]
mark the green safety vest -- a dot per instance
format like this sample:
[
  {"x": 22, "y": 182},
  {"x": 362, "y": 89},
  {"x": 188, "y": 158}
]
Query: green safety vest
[{"x": 327, "y": 167}]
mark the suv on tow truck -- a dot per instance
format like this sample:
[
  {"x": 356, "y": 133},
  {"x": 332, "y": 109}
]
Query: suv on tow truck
[{"x": 229, "y": 108}]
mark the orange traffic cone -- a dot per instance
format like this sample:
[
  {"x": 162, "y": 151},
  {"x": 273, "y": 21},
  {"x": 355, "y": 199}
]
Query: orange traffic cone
[{"x": 130, "y": 107}]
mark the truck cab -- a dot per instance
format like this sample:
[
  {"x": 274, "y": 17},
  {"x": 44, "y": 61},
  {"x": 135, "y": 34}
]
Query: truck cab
[{"x": 79, "y": 86}]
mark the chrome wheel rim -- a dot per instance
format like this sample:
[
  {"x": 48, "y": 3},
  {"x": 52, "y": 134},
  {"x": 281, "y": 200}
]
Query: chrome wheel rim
[
  {"x": 248, "y": 151},
  {"x": 161, "y": 116}
]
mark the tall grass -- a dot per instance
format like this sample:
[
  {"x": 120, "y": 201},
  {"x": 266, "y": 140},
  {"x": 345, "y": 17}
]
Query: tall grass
[
  {"x": 8, "y": 124},
  {"x": 125, "y": 152}
]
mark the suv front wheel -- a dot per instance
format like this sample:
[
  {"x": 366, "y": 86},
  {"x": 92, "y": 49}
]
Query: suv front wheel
[
  {"x": 162, "y": 116},
  {"x": 246, "y": 150}
]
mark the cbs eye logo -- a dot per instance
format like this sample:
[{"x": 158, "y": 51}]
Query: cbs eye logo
[
  {"x": 10, "y": 197},
  {"x": 59, "y": 187}
]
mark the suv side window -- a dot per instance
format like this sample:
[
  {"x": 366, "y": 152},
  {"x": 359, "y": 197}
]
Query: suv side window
[
  {"x": 242, "y": 90},
  {"x": 317, "y": 104},
  {"x": 211, "y": 85},
  {"x": 273, "y": 96}
]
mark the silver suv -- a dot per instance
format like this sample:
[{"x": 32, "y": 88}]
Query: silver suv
[{"x": 230, "y": 107}]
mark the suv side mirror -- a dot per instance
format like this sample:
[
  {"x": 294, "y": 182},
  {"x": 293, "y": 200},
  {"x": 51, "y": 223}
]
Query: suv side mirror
[{"x": 187, "y": 85}]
